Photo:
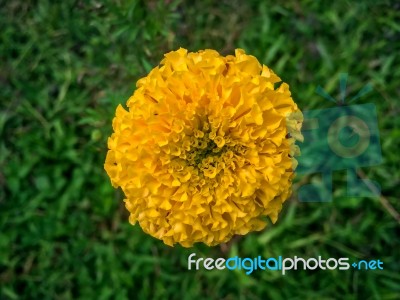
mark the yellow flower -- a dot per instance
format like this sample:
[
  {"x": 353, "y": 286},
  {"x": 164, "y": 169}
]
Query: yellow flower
[{"x": 206, "y": 148}]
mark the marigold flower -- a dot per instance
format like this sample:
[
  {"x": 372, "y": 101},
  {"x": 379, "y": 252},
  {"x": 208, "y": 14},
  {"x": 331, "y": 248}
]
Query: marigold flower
[{"x": 206, "y": 148}]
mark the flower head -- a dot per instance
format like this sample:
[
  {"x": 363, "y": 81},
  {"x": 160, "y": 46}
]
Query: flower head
[{"x": 206, "y": 148}]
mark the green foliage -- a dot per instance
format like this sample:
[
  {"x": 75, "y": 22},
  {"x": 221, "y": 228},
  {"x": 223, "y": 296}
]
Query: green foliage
[{"x": 64, "y": 67}]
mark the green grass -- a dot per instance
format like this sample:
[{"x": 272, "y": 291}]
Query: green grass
[{"x": 64, "y": 68}]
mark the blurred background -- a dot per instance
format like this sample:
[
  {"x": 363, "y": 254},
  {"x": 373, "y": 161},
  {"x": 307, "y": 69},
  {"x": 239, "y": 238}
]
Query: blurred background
[{"x": 64, "y": 68}]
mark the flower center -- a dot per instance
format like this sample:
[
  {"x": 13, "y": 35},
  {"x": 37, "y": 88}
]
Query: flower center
[{"x": 203, "y": 148}]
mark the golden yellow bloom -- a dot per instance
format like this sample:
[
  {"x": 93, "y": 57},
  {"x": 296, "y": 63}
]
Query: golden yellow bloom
[{"x": 206, "y": 148}]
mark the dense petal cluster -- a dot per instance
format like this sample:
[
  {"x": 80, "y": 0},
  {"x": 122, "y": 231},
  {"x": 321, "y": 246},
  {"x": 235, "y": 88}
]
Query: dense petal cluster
[{"x": 206, "y": 148}]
